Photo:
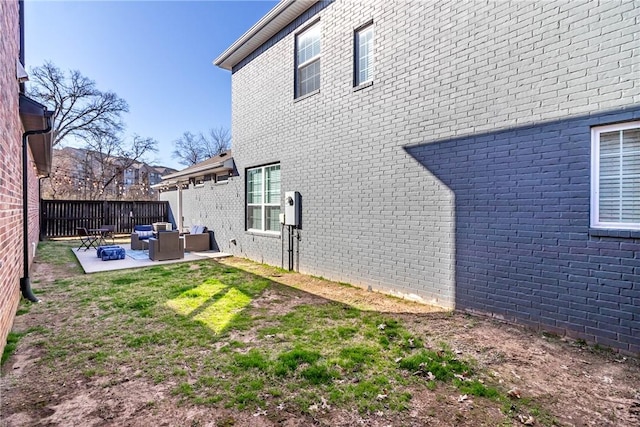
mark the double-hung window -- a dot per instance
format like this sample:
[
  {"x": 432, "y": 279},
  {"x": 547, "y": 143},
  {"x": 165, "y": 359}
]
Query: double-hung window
[
  {"x": 615, "y": 176},
  {"x": 363, "y": 55},
  {"x": 263, "y": 198},
  {"x": 308, "y": 61}
]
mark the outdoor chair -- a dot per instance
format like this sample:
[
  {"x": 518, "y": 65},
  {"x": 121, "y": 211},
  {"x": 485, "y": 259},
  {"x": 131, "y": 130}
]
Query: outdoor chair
[
  {"x": 140, "y": 236},
  {"x": 87, "y": 240},
  {"x": 167, "y": 245}
]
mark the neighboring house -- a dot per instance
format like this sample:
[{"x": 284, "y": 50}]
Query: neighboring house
[
  {"x": 78, "y": 173},
  {"x": 156, "y": 173},
  {"x": 477, "y": 156},
  {"x": 152, "y": 176},
  {"x": 22, "y": 121}
]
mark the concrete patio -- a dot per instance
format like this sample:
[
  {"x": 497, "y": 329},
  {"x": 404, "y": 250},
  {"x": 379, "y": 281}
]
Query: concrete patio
[{"x": 134, "y": 259}]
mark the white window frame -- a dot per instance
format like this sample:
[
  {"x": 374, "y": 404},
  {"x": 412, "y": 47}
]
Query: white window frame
[
  {"x": 356, "y": 55},
  {"x": 263, "y": 205},
  {"x": 300, "y": 65},
  {"x": 222, "y": 178},
  {"x": 595, "y": 177}
]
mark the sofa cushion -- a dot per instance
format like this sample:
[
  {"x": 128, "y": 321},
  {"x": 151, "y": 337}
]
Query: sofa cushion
[
  {"x": 197, "y": 229},
  {"x": 137, "y": 228},
  {"x": 144, "y": 234}
]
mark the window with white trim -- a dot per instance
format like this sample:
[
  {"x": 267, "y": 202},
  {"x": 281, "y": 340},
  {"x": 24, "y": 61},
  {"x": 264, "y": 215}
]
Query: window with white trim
[
  {"x": 222, "y": 177},
  {"x": 615, "y": 176},
  {"x": 263, "y": 198},
  {"x": 363, "y": 55},
  {"x": 308, "y": 61}
]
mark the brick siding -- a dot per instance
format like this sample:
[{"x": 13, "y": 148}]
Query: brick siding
[
  {"x": 11, "y": 266},
  {"x": 461, "y": 175},
  {"x": 524, "y": 249},
  {"x": 10, "y": 183}
]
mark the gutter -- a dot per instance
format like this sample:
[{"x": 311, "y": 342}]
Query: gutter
[
  {"x": 252, "y": 32},
  {"x": 277, "y": 18},
  {"x": 25, "y": 281}
]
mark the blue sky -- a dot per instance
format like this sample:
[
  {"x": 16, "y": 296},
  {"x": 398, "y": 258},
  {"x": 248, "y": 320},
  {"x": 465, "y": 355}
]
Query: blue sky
[{"x": 155, "y": 55}]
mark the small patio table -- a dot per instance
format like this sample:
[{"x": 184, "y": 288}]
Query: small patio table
[{"x": 99, "y": 234}]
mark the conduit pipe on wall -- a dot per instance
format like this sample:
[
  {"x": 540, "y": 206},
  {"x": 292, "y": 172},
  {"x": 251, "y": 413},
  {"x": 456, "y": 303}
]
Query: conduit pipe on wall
[{"x": 25, "y": 281}]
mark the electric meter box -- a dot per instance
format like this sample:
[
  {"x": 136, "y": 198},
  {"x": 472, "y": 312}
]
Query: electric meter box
[{"x": 292, "y": 208}]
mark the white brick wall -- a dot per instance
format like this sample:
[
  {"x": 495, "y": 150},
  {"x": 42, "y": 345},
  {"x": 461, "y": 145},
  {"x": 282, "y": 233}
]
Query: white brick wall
[{"x": 372, "y": 215}]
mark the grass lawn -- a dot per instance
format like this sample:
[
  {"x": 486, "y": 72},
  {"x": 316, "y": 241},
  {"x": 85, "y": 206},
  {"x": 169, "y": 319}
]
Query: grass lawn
[{"x": 221, "y": 337}]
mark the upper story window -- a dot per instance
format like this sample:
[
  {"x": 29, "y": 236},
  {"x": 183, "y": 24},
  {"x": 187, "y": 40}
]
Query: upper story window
[
  {"x": 615, "y": 176},
  {"x": 263, "y": 198},
  {"x": 308, "y": 61},
  {"x": 363, "y": 55}
]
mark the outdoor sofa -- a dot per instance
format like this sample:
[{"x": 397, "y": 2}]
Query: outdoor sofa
[{"x": 197, "y": 239}]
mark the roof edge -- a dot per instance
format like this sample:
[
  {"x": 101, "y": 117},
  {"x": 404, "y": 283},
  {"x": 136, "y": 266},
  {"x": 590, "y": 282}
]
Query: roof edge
[
  {"x": 199, "y": 170},
  {"x": 275, "y": 20}
]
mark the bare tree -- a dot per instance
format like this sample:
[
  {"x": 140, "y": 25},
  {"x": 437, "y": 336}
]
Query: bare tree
[
  {"x": 63, "y": 182},
  {"x": 194, "y": 148},
  {"x": 217, "y": 141},
  {"x": 108, "y": 160},
  {"x": 81, "y": 110},
  {"x": 189, "y": 149},
  {"x": 107, "y": 169}
]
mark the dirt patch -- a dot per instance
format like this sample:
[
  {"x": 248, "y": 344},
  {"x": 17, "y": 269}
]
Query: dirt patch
[
  {"x": 573, "y": 384},
  {"x": 578, "y": 385},
  {"x": 359, "y": 298}
]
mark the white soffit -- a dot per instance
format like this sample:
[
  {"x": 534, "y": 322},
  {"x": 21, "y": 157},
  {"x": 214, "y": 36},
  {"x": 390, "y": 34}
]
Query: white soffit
[
  {"x": 268, "y": 26},
  {"x": 199, "y": 170}
]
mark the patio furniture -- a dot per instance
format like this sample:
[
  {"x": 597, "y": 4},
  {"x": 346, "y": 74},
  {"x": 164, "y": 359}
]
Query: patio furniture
[
  {"x": 87, "y": 240},
  {"x": 161, "y": 226},
  {"x": 140, "y": 237},
  {"x": 99, "y": 234},
  {"x": 108, "y": 232},
  {"x": 197, "y": 239},
  {"x": 102, "y": 248},
  {"x": 112, "y": 253},
  {"x": 167, "y": 245}
]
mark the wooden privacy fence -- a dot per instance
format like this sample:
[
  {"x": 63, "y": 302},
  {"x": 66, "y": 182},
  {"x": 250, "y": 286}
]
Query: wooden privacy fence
[{"x": 60, "y": 218}]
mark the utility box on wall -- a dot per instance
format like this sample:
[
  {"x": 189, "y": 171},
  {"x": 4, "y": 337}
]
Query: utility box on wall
[{"x": 292, "y": 208}]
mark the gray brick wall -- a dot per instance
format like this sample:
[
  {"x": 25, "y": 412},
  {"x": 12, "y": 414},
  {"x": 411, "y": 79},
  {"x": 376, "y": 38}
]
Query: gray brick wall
[
  {"x": 524, "y": 249},
  {"x": 220, "y": 206},
  {"x": 461, "y": 176}
]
